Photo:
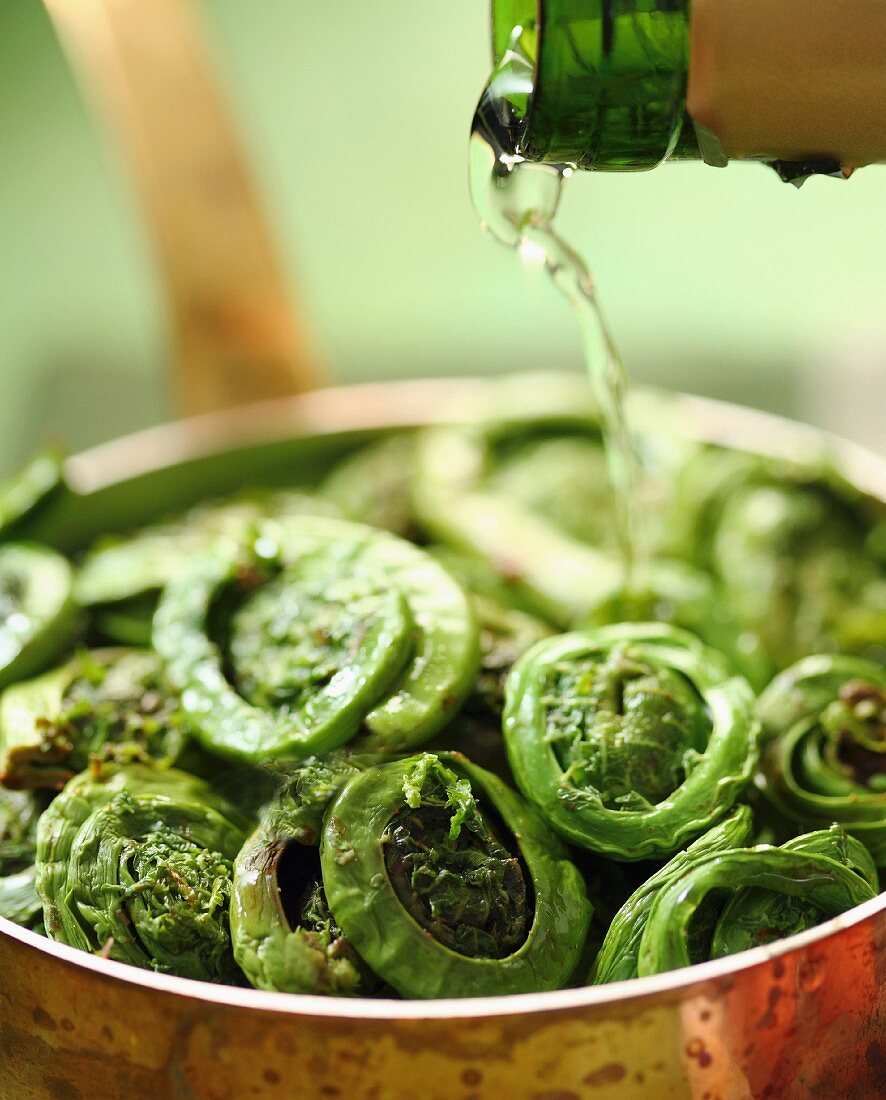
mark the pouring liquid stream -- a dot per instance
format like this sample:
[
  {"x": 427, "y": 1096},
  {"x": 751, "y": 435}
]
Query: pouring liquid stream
[{"x": 517, "y": 202}]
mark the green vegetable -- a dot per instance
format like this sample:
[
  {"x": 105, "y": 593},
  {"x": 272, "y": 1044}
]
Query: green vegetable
[
  {"x": 136, "y": 863},
  {"x": 556, "y": 575},
  {"x": 526, "y": 537},
  {"x": 284, "y": 936},
  {"x": 29, "y": 490},
  {"x": 373, "y": 485},
  {"x": 824, "y": 720},
  {"x": 448, "y": 885},
  {"x": 111, "y": 703},
  {"x": 19, "y": 901},
  {"x": 37, "y": 612},
  {"x": 334, "y": 642},
  {"x": 505, "y": 635},
  {"x": 562, "y": 477},
  {"x": 479, "y": 577},
  {"x": 19, "y": 812},
  {"x": 507, "y": 628},
  {"x": 828, "y": 885},
  {"x": 671, "y": 592},
  {"x": 617, "y": 958},
  {"x": 790, "y": 543},
  {"x": 753, "y": 916},
  {"x": 128, "y": 622},
  {"x": 335, "y": 626},
  {"x": 477, "y": 736},
  {"x": 231, "y": 799},
  {"x": 121, "y": 578},
  {"x": 631, "y": 740}
]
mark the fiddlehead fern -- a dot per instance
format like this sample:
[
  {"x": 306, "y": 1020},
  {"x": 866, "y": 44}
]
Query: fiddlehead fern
[
  {"x": 507, "y": 629},
  {"x": 561, "y": 475},
  {"x": 373, "y": 485},
  {"x": 474, "y": 491},
  {"x": 556, "y": 575},
  {"x": 449, "y": 885},
  {"x": 788, "y": 541},
  {"x": 335, "y": 627},
  {"x": 120, "y": 579},
  {"x": 617, "y": 958},
  {"x": 432, "y": 876},
  {"x": 824, "y": 720},
  {"x": 284, "y": 936},
  {"x": 630, "y": 740},
  {"x": 671, "y": 592},
  {"x": 29, "y": 490},
  {"x": 816, "y": 880},
  {"x": 505, "y": 635},
  {"x": 753, "y": 916},
  {"x": 19, "y": 901},
  {"x": 136, "y": 862},
  {"x": 107, "y": 703},
  {"x": 19, "y": 812},
  {"x": 37, "y": 611}
]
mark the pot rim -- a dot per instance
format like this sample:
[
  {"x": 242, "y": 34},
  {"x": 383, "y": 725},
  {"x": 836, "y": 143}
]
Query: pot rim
[
  {"x": 369, "y": 405},
  {"x": 514, "y": 1004},
  {"x": 406, "y": 404}
]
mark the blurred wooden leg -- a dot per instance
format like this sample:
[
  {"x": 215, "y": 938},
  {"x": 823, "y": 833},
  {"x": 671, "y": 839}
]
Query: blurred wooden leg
[{"x": 148, "y": 69}]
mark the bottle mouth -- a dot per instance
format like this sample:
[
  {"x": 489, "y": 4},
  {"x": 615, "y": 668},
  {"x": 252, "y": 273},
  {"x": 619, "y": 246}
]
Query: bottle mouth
[{"x": 502, "y": 114}]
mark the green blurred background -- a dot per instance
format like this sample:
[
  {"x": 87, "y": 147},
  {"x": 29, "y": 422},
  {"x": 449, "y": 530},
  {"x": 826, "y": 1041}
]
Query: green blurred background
[{"x": 356, "y": 115}]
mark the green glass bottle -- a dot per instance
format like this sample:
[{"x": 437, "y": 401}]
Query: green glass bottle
[
  {"x": 627, "y": 84},
  {"x": 610, "y": 79}
]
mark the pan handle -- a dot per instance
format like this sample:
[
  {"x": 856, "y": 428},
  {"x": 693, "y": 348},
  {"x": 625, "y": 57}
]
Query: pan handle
[{"x": 147, "y": 68}]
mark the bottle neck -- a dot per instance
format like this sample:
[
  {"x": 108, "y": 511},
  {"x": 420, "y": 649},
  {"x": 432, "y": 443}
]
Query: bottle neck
[
  {"x": 610, "y": 79},
  {"x": 627, "y": 84}
]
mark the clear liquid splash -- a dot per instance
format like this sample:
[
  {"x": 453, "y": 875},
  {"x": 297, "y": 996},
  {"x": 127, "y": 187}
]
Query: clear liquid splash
[{"x": 516, "y": 201}]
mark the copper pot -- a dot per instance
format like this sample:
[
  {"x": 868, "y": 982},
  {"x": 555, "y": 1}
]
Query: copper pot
[{"x": 800, "y": 1018}]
